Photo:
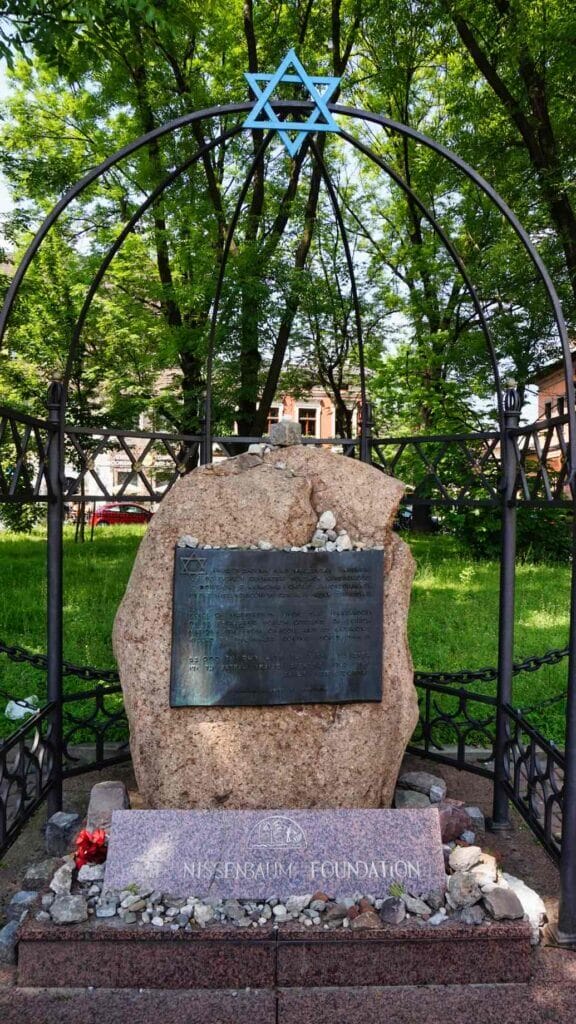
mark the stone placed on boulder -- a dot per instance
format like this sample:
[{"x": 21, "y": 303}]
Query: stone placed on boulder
[
  {"x": 477, "y": 819},
  {"x": 331, "y": 760},
  {"x": 69, "y": 909},
  {"x": 186, "y": 541},
  {"x": 107, "y": 907},
  {"x": 20, "y": 904},
  {"x": 297, "y": 903},
  {"x": 432, "y": 786},
  {"x": 369, "y": 919},
  {"x": 393, "y": 910},
  {"x": 463, "y": 890},
  {"x": 486, "y": 870},
  {"x": 453, "y": 819},
  {"x": 61, "y": 883},
  {"x": 327, "y": 521},
  {"x": 472, "y": 915},
  {"x": 343, "y": 543},
  {"x": 415, "y": 906},
  {"x": 91, "y": 873},
  {"x": 463, "y": 858},
  {"x": 106, "y": 797},
  {"x": 41, "y": 873},
  {"x": 503, "y": 904},
  {"x": 439, "y": 917},
  {"x": 61, "y": 830},
  {"x": 203, "y": 914},
  {"x": 406, "y": 798},
  {"x": 285, "y": 433},
  {"x": 532, "y": 904},
  {"x": 468, "y": 837}
]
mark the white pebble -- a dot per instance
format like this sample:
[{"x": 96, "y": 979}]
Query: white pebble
[{"x": 327, "y": 521}]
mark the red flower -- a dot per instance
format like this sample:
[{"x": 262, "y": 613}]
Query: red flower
[{"x": 91, "y": 847}]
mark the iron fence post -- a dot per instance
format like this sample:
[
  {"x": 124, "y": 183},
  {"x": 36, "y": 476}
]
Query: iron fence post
[
  {"x": 55, "y": 515},
  {"x": 564, "y": 932},
  {"x": 206, "y": 430},
  {"x": 500, "y": 811},
  {"x": 366, "y": 433}
]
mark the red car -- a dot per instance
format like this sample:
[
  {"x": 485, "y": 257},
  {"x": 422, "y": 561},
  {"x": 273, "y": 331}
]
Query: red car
[{"x": 111, "y": 515}]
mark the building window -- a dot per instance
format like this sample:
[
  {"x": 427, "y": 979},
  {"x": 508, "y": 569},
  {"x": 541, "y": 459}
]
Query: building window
[
  {"x": 125, "y": 477},
  {"x": 273, "y": 416},
  {"x": 307, "y": 420}
]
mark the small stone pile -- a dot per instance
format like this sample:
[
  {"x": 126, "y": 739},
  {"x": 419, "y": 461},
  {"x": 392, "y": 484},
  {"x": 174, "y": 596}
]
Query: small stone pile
[{"x": 326, "y": 537}]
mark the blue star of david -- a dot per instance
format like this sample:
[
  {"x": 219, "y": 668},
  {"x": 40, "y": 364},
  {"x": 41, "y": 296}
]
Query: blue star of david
[{"x": 320, "y": 119}]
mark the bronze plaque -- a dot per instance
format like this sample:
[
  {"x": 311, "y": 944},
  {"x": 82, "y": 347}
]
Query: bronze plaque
[{"x": 276, "y": 627}]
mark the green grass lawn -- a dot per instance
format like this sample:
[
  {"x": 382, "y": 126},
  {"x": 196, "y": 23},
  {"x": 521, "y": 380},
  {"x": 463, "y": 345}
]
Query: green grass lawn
[{"x": 453, "y": 618}]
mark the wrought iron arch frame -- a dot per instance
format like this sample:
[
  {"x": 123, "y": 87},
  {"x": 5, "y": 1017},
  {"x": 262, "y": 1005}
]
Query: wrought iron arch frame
[{"x": 505, "y": 780}]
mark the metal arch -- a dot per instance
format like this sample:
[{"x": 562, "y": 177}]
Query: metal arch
[
  {"x": 351, "y": 112},
  {"x": 350, "y": 263},
  {"x": 93, "y": 175},
  {"x": 515, "y": 224},
  {"x": 207, "y": 432},
  {"x": 128, "y": 227},
  {"x": 450, "y": 248}
]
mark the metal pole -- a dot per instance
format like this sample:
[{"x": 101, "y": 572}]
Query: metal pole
[
  {"x": 564, "y": 933},
  {"x": 366, "y": 433},
  {"x": 206, "y": 430},
  {"x": 56, "y": 399},
  {"x": 500, "y": 813}
]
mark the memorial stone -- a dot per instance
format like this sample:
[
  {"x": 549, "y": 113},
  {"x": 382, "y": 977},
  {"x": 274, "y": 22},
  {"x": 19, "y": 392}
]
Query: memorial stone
[
  {"x": 298, "y": 754},
  {"x": 252, "y": 854}
]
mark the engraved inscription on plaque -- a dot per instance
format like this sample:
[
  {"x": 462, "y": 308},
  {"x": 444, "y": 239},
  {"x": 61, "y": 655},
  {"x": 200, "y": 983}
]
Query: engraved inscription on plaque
[{"x": 276, "y": 627}]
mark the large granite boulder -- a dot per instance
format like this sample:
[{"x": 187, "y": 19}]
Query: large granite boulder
[{"x": 311, "y": 755}]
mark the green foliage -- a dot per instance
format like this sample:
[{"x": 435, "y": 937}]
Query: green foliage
[
  {"x": 397, "y": 889},
  {"x": 542, "y": 535},
  {"x": 86, "y": 77},
  {"x": 20, "y": 517}
]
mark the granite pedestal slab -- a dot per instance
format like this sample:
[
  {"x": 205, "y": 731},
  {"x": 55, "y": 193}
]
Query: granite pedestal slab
[
  {"x": 256, "y": 854},
  {"x": 109, "y": 954}
]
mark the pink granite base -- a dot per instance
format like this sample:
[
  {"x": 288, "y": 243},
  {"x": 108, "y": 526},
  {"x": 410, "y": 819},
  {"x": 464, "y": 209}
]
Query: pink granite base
[
  {"x": 102, "y": 955},
  {"x": 131, "y": 1006}
]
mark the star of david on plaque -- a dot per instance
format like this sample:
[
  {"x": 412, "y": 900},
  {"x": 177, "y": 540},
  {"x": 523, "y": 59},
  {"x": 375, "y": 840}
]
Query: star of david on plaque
[
  {"x": 263, "y": 115},
  {"x": 192, "y": 566}
]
